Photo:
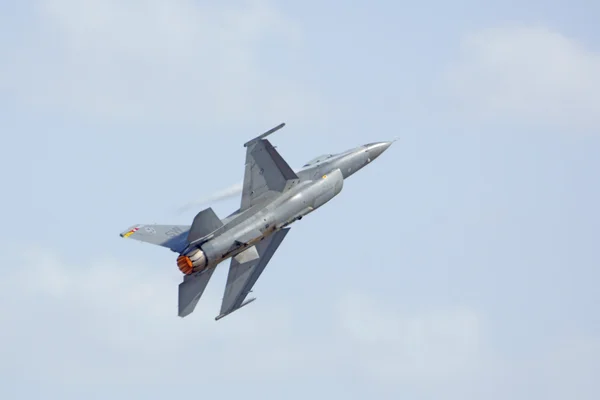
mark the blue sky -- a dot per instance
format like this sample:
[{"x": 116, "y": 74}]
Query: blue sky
[{"x": 463, "y": 263}]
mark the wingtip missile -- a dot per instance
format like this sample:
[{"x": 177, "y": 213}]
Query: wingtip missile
[{"x": 264, "y": 135}]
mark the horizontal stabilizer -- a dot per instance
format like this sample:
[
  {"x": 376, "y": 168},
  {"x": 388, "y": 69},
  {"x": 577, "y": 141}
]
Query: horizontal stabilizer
[
  {"x": 191, "y": 289},
  {"x": 173, "y": 237},
  {"x": 204, "y": 224}
]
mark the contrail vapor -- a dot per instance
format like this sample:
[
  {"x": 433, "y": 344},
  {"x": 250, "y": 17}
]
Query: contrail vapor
[{"x": 218, "y": 196}]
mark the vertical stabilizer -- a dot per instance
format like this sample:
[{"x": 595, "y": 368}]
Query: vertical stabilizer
[{"x": 204, "y": 224}]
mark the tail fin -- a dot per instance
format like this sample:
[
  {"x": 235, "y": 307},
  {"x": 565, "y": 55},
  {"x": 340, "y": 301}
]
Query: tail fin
[{"x": 205, "y": 223}]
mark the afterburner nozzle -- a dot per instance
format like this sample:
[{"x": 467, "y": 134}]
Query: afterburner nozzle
[
  {"x": 185, "y": 265},
  {"x": 193, "y": 261}
]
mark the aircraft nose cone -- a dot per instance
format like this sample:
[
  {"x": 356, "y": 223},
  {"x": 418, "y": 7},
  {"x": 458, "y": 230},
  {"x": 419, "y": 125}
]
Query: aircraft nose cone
[{"x": 375, "y": 149}]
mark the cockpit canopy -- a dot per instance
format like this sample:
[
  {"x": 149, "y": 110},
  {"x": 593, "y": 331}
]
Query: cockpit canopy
[{"x": 318, "y": 160}]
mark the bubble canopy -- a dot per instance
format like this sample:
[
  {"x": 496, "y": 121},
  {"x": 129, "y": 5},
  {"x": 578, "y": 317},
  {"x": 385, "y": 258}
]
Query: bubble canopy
[{"x": 319, "y": 159}]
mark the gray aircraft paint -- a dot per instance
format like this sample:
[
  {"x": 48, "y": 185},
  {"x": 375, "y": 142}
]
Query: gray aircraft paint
[{"x": 273, "y": 197}]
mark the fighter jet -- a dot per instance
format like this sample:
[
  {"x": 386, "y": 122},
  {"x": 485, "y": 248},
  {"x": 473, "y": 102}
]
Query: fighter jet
[{"x": 273, "y": 197}]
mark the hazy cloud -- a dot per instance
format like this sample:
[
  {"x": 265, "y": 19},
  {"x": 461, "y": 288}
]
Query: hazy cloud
[
  {"x": 171, "y": 60},
  {"x": 103, "y": 322},
  {"x": 113, "y": 324}
]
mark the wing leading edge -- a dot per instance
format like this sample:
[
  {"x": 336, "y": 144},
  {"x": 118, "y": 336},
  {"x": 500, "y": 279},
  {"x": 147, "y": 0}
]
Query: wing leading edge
[{"x": 243, "y": 275}]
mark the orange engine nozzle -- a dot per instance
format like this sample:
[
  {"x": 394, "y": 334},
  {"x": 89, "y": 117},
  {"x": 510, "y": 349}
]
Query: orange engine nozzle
[
  {"x": 185, "y": 264},
  {"x": 192, "y": 261}
]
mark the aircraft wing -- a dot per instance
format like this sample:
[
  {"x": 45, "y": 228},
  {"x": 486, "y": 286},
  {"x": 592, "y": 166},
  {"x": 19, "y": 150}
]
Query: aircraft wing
[
  {"x": 265, "y": 170},
  {"x": 245, "y": 269}
]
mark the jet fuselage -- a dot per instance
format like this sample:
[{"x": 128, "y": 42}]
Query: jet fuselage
[{"x": 318, "y": 183}]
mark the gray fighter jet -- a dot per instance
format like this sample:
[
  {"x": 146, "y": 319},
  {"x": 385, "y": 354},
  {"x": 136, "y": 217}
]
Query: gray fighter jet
[{"x": 273, "y": 197}]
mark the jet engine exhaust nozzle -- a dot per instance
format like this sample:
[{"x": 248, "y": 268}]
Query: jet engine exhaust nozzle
[{"x": 192, "y": 262}]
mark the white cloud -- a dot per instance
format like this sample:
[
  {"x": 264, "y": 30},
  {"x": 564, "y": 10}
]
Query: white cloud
[
  {"x": 528, "y": 73},
  {"x": 115, "y": 325},
  {"x": 104, "y": 322},
  {"x": 161, "y": 60}
]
